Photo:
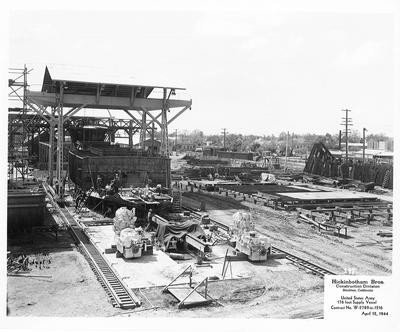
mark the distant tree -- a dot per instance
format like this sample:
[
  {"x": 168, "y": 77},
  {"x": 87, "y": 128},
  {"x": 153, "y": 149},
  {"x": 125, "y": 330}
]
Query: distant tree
[{"x": 255, "y": 146}]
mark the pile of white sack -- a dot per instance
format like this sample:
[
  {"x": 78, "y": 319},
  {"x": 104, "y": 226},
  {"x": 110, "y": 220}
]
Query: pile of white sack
[
  {"x": 129, "y": 237},
  {"x": 267, "y": 177},
  {"x": 124, "y": 218},
  {"x": 242, "y": 222}
]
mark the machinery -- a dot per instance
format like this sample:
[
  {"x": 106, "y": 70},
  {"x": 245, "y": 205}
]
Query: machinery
[
  {"x": 131, "y": 242},
  {"x": 246, "y": 240},
  {"x": 255, "y": 247}
]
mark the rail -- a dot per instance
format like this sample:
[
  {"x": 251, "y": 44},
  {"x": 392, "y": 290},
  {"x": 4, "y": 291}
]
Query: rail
[
  {"x": 314, "y": 268},
  {"x": 120, "y": 296}
]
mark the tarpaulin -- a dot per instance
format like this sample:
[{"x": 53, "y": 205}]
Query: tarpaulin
[{"x": 166, "y": 231}]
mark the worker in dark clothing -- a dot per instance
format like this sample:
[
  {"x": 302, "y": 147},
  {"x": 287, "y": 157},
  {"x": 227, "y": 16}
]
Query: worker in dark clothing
[
  {"x": 108, "y": 213},
  {"x": 158, "y": 189},
  {"x": 351, "y": 169},
  {"x": 99, "y": 183},
  {"x": 113, "y": 188},
  {"x": 341, "y": 168},
  {"x": 114, "y": 185},
  {"x": 150, "y": 216},
  {"x": 150, "y": 222},
  {"x": 79, "y": 200}
]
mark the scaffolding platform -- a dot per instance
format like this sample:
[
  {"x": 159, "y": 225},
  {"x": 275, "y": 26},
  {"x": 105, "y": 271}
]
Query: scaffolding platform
[{"x": 185, "y": 295}]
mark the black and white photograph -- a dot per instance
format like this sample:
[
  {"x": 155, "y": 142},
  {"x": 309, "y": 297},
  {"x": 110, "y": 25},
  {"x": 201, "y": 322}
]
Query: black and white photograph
[{"x": 209, "y": 161}]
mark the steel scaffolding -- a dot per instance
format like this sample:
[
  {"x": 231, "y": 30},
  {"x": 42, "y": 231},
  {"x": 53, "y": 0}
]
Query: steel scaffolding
[{"x": 54, "y": 109}]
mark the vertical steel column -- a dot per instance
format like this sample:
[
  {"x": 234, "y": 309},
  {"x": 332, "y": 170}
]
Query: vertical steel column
[
  {"x": 51, "y": 147},
  {"x": 153, "y": 128},
  {"x": 143, "y": 130},
  {"x": 60, "y": 143},
  {"x": 164, "y": 138},
  {"x": 164, "y": 126},
  {"x": 110, "y": 132},
  {"x": 130, "y": 134},
  {"x": 347, "y": 136},
  {"x": 24, "y": 134}
]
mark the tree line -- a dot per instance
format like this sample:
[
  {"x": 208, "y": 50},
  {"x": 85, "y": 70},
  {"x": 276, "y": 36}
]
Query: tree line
[{"x": 298, "y": 144}]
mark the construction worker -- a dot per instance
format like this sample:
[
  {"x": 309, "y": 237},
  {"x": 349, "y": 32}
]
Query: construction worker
[
  {"x": 114, "y": 185},
  {"x": 150, "y": 216},
  {"x": 117, "y": 181},
  {"x": 108, "y": 212},
  {"x": 150, "y": 222},
  {"x": 351, "y": 169},
  {"x": 78, "y": 200},
  {"x": 56, "y": 186}
]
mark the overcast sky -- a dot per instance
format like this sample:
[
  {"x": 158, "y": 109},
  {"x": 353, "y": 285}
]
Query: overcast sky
[{"x": 253, "y": 72}]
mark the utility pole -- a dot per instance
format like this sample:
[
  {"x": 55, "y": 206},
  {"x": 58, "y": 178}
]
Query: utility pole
[
  {"x": 287, "y": 145},
  {"x": 340, "y": 140},
  {"x": 364, "y": 130},
  {"x": 224, "y": 132},
  {"x": 292, "y": 148},
  {"x": 347, "y": 123}
]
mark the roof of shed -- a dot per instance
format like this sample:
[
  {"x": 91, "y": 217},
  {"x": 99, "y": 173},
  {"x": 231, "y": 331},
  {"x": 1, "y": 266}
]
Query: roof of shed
[{"x": 87, "y": 82}]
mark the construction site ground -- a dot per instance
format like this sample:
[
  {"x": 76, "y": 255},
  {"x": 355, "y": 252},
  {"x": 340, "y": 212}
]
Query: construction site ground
[
  {"x": 363, "y": 252},
  {"x": 63, "y": 286},
  {"x": 273, "y": 289},
  {"x": 246, "y": 285}
]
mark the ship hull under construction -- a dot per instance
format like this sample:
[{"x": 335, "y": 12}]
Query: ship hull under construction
[{"x": 134, "y": 169}]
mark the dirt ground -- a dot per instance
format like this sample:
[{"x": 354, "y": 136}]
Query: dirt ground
[
  {"x": 277, "y": 294},
  {"x": 285, "y": 295},
  {"x": 362, "y": 253},
  {"x": 72, "y": 289}
]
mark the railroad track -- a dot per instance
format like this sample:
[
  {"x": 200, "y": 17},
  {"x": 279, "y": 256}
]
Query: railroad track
[
  {"x": 120, "y": 296},
  {"x": 198, "y": 215},
  {"x": 314, "y": 268}
]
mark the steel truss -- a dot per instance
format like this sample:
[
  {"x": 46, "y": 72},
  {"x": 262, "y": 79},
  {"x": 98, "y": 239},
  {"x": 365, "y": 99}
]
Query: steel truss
[{"x": 56, "y": 111}]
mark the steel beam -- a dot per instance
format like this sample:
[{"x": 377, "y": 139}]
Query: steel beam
[
  {"x": 177, "y": 114},
  {"x": 74, "y": 100},
  {"x": 60, "y": 144},
  {"x": 51, "y": 150},
  {"x": 73, "y": 111},
  {"x": 143, "y": 130}
]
